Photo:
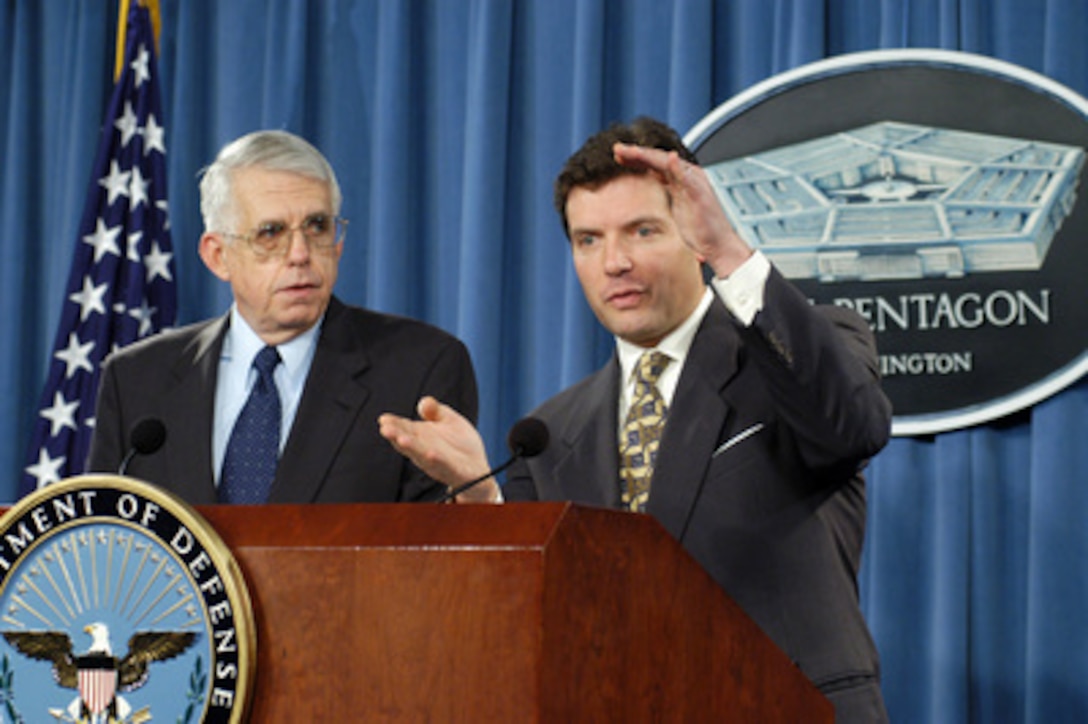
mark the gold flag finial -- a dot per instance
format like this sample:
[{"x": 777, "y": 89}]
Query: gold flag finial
[{"x": 122, "y": 25}]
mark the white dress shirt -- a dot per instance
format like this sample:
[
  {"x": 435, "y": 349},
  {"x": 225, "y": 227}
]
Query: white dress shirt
[{"x": 742, "y": 294}]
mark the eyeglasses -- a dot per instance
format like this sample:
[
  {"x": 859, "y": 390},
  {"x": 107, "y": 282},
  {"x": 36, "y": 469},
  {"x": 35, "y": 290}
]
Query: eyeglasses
[{"x": 273, "y": 238}]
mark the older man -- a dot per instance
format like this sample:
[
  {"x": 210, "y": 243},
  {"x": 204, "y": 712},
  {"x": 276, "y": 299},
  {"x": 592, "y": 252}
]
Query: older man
[{"x": 277, "y": 400}]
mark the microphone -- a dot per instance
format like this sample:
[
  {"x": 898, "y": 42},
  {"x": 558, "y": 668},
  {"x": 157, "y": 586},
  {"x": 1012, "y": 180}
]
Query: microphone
[
  {"x": 527, "y": 438},
  {"x": 146, "y": 436}
]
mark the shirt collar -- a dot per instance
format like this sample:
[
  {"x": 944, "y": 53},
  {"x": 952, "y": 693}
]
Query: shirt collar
[{"x": 241, "y": 344}]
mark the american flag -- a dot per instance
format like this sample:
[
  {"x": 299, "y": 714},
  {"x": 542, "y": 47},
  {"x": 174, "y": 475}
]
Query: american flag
[{"x": 121, "y": 286}]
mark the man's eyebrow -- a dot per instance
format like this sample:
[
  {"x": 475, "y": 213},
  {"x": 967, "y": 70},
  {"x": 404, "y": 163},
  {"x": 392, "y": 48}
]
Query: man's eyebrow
[
  {"x": 652, "y": 219},
  {"x": 583, "y": 230},
  {"x": 305, "y": 217}
]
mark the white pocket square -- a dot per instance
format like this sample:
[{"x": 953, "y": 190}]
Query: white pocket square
[{"x": 739, "y": 437}]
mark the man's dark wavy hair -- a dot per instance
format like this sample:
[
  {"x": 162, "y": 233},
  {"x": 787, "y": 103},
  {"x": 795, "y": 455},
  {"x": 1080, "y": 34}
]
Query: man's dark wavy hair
[{"x": 593, "y": 165}]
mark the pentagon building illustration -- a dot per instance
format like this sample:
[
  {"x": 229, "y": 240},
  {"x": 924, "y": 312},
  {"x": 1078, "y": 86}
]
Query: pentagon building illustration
[{"x": 899, "y": 201}]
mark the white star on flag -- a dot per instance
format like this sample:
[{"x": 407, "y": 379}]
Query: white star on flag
[
  {"x": 139, "y": 66},
  {"x": 137, "y": 189},
  {"x": 61, "y": 414},
  {"x": 89, "y": 298},
  {"x": 75, "y": 356},
  {"x": 157, "y": 262},
  {"x": 47, "y": 469},
  {"x": 116, "y": 182},
  {"x": 133, "y": 251},
  {"x": 144, "y": 314},
  {"x": 103, "y": 240},
  {"x": 154, "y": 137},
  {"x": 128, "y": 124}
]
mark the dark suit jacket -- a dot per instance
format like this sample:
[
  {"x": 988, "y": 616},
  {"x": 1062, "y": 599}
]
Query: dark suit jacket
[
  {"x": 758, "y": 470},
  {"x": 365, "y": 364}
]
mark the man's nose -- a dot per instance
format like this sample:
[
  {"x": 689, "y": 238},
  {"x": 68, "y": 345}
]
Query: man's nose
[
  {"x": 298, "y": 246},
  {"x": 616, "y": 257}
]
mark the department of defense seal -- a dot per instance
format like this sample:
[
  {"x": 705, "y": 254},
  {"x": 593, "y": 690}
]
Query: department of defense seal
[{"x": 119, "y": 604}]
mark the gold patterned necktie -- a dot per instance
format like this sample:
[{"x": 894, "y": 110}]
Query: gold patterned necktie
[{"x": 642, "y": 432}]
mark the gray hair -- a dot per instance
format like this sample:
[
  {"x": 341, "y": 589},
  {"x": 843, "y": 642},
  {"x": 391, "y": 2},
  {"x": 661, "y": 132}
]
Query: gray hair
[{"x": 270, "y": 150}]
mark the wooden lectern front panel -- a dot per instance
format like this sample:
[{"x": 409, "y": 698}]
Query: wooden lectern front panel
[{"x": 545, "y": 612}]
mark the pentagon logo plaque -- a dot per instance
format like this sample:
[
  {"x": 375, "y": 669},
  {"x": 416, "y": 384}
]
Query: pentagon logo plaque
[{"x": 941, "y": 196}]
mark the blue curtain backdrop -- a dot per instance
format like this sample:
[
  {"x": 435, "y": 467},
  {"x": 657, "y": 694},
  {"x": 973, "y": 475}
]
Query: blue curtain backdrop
[{"x": 447, "y": 120}]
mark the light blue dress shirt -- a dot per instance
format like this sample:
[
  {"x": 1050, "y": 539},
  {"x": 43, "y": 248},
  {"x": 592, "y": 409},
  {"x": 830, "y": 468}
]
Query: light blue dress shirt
[{"x": 236, "y": 378}]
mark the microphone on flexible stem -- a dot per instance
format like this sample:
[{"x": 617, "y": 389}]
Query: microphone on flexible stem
[
  {"x": 527, "y": 438},
  {"x": 146, "y": 436}
]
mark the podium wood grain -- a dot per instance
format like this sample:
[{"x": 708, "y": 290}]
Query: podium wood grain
[{"x": 544, "y": 612}]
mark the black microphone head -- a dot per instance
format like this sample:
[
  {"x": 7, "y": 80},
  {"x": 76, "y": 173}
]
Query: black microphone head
[
  {"x": 528, "y": 437},
  {"x": 148, "y": 435}
]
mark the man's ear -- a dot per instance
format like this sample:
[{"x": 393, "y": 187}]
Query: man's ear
[{"x": 213, "y": 253}]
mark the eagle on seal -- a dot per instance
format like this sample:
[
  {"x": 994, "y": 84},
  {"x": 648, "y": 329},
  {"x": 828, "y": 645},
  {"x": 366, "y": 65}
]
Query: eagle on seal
[{"x": 97, "y": 674}]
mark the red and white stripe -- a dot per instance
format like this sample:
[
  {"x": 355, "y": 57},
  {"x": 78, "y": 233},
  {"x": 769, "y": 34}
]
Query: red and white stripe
[{"x": 97, "y": 688}]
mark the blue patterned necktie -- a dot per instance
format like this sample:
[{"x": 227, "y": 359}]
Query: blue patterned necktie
[
  {"x": 642, "y": 432},
  {"x": 253, "y": 450}
]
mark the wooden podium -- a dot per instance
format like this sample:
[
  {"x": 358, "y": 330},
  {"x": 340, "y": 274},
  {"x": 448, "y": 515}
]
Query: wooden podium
[{"x": 531, "y": 612}]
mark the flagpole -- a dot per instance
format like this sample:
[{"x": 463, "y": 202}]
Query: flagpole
[{"x": 122, "y": 27}]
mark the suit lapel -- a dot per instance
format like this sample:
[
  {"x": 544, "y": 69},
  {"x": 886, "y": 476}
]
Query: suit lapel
[
  {"x": 588, "y": 471},
  {"x": 696, "y": 417},
  {"x": 329, "y": 406},
  {"x": 189, "y": 462}
]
